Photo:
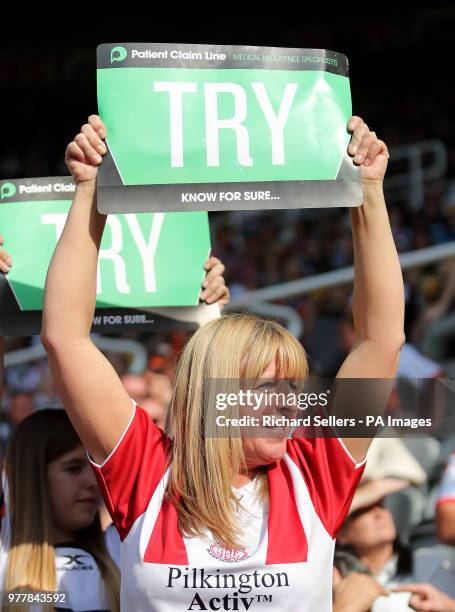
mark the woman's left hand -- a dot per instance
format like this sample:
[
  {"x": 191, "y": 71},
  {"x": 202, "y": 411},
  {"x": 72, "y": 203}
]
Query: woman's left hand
[
  {"x": 214, "y": 286},
  {"x": 369, "y": 152}
]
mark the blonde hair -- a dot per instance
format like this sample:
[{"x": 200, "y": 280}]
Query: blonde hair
[
  {"x": 40, "y": 439},
  {"x": 235, "y": 346}
]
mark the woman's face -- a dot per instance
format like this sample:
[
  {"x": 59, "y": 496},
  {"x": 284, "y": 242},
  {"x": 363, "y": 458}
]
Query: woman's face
[
  {"x": 74, "y": 492},
  {"x": 368, "y": 528},
  {"x": 270, "y": 448}
]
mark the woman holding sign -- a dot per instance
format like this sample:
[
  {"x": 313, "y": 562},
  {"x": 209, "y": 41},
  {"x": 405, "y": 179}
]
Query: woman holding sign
[{"x": 216, "y": 523}]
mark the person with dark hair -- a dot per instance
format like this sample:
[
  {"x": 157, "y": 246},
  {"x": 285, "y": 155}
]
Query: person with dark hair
[{"x": 370, "y": 540}]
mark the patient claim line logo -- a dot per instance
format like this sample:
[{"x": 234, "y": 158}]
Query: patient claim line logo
[
  {"x": 118, "y": 54},
  {"x": 7, "y": 190}
]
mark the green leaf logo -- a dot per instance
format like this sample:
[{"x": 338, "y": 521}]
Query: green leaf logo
[
  {"x": 118, "y": 54},
  {"x": 7, "y": 190}
]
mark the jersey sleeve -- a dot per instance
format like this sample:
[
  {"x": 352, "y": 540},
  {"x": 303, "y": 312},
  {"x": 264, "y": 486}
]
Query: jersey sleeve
[
  {"x": 129, "y": 476},
  {"x": 331, "y": 475},
  {"x": 446, "y": 492}
]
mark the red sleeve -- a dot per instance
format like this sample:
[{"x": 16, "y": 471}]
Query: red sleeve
[
  {"x": 331, "y": 475},
  {"x": 130, "y": 474}
]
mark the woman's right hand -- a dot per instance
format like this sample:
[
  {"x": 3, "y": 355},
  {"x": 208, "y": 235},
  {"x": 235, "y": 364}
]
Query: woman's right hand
[{"x": 84, "y": 154}]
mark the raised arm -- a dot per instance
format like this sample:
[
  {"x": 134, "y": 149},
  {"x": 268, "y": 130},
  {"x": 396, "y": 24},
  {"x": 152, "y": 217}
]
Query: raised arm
[
  {"x": 91, "y": 391},
  {"x": 378, "y": 306}
]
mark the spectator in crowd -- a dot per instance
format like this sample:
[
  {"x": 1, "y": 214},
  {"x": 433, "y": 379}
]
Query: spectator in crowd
[
  {"x": 136, "y": 386},
  {"x": 21, "y": 406},
  {"x": 370, "y": 535},
  {"x": 51, "y": 525},
  {"x": 152, "y": 391},
  {"x": 437, "y": 323},
  {"x": 159, "y": 397},
  {"x": 356, "y": 590}
]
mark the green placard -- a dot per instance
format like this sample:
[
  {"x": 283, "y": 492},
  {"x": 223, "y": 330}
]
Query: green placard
[
  {"x": 203, "y": 127},
  {"x": 146, "y": 260}
]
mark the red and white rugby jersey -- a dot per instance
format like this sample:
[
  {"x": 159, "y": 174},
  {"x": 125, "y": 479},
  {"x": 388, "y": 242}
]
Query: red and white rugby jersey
[
  {"x": 285, "y": 563},
  {"x": 446, "y": 491}
]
